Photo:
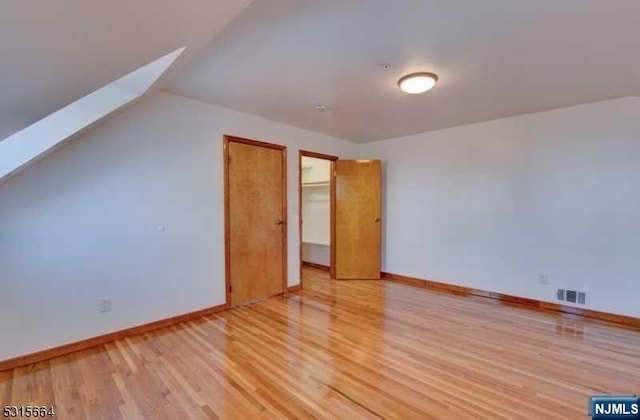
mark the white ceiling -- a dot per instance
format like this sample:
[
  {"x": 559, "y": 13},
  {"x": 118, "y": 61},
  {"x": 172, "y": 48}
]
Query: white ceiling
[
  {"x": 55, "y": 51},
  {"x": 495, "y": 58},
  {"x": 22, "y": 149}
]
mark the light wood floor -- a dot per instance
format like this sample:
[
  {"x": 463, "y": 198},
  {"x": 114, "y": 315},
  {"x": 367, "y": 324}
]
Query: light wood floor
[{"x": 351, "y": 349}]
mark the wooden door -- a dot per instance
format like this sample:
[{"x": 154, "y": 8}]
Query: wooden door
[
  {"x": 255, "y": 219},
  {"x": 357, "y": 253}
]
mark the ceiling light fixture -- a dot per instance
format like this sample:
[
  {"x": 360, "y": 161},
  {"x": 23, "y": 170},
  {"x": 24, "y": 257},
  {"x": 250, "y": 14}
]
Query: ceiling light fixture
[
  {"x": 321, "y": 108},
  {"x": 415, "y": 83}
]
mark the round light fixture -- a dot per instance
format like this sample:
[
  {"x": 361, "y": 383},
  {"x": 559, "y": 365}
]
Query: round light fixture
[{"x": 415, "y": 83}]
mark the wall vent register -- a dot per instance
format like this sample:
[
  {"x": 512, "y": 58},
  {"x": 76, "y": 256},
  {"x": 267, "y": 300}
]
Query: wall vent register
[{"x": 571, "y": 296}]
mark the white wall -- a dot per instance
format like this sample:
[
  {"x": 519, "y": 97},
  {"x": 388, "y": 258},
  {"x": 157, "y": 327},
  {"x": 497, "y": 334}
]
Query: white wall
[
  {"x": 84, "y": 222},
  {"x": 316, "y": 214},
  {"x": 493, "y": 205},
  {"x": 489, "y": 205},
  {"x": 315, "y": 170},
  {"x": 314, "y": 253}
]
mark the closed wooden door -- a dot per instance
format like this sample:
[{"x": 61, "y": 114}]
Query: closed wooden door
[
  {"x": 357, "y": 253},
  {"x": 256, "y": 223}
]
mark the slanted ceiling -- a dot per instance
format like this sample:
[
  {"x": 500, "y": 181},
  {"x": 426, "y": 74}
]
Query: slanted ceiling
[
  {"x": 56, "y": 51},
  {"x": 279, "y": 58},
  {"x": 41, "y": 138}
]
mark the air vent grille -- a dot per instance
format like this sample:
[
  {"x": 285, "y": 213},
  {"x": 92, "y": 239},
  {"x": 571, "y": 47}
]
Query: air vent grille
[
  {"x": 582, "y": 298},
  {"x": 571, "y": 296}
]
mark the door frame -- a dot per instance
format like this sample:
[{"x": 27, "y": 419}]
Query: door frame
[
  {"x": 332, "y": 200},
  {"x": 227, "y": 234}
]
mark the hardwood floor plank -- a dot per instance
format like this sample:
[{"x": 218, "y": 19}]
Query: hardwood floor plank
[{"x": 357, "y": 349}]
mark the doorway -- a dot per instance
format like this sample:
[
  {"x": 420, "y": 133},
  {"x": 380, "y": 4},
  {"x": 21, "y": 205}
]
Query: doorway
[
  {"x": 316, "y": 196},
  {"x": 255, "y": 220},
  {"x": 340, "y": 221}
]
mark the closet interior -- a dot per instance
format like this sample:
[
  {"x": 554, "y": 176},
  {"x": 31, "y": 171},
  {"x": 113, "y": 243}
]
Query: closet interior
[{"x": 316, "y": 211}]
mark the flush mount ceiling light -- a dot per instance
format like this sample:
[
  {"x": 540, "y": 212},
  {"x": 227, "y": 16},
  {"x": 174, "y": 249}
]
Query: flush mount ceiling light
[{"x": 415, "y": 83}]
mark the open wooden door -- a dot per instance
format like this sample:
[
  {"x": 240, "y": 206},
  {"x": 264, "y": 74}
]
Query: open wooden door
[
  {"x": 357, "y": 253},
  {"x": 255, "y": 186}
]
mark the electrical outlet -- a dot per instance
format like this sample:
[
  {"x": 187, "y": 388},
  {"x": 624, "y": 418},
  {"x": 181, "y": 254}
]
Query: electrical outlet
[
  {"x": 543, "y": 279},
  {"x": 104, "y": 305}
]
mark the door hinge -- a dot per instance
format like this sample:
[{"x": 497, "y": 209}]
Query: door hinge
[{"x": 230, "y": 288}]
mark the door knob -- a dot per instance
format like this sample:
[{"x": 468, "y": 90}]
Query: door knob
[
  {"x": 377, "y": 219},
  {"x": 280, "y": 222}
]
